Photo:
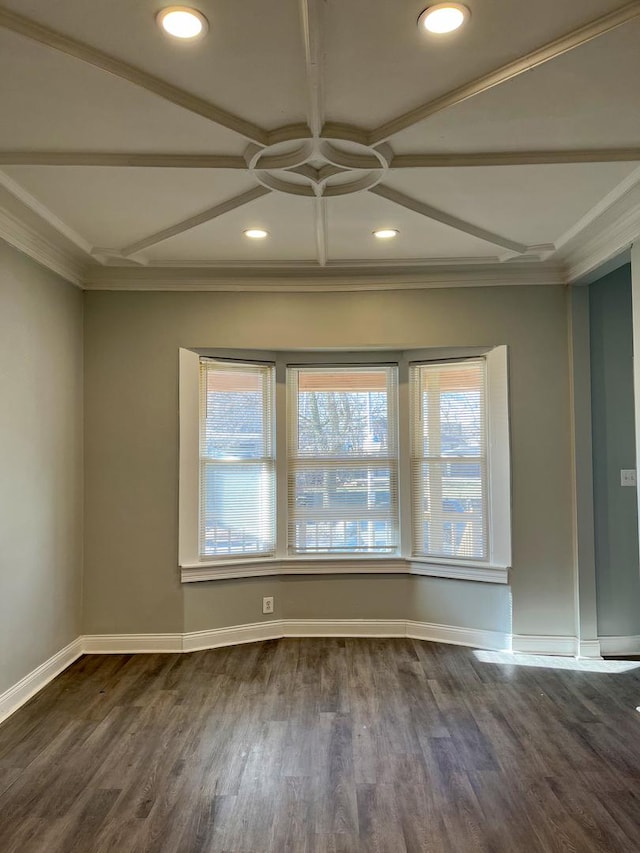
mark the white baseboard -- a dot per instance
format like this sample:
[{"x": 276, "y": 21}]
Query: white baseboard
[
  {"x": 474, "y": 637},
  {"x": 589, "y": 649},
  {"x": 276, "y": 628},
  {"x": 217, "y": 637},
  {"x": 273, "y": 629},
  {"x": 345, "y": 628},
  {"x": 114, "y": 644},
  {"x": 539, "y": 644},
  {"x": 620, "y": 645},
  {"x": 16, "y": 696}
]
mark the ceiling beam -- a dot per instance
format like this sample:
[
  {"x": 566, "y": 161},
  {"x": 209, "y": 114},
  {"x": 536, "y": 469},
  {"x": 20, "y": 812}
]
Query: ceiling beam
[
  {"x": 42, "y": 211},
  {"x": 104, "y": 158},
  {"x": 543, "y": 54},
  {"x": 320, "y": 213},
  {"x": 447, "y": 219},
  {"x": 513, "y": 158},
  {"x": 312, "y": 30},
  {"x": 399, "y": 161},
  {"x": 36, "y": 32},
  {"x": 342, "y": 131},
  {"x": 193, "y": 221}
]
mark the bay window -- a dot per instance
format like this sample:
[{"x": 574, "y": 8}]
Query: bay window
[{"x": 351, "y": 462}]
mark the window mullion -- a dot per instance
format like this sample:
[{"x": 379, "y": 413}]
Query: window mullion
[
  {"x": 282, "y": 423},
  {"x": 404, "y": 458}
]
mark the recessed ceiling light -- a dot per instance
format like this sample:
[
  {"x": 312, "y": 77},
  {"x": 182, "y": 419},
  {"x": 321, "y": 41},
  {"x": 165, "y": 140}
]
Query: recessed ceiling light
[
  {"x": 256, "y": 233},
  {"x": 182, "y": 22},
  {"x": 385, "y": 233},
  {"x": 443, "y": 17}
]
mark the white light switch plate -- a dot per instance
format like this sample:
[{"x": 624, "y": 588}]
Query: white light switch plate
[{"x": 628, "y": 477}]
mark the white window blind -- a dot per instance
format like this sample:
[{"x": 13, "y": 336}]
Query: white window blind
[
  {"x": 237, "y": 459},
  {"x": 342, "y": 460},
  {"x": 449, "y": 459}
]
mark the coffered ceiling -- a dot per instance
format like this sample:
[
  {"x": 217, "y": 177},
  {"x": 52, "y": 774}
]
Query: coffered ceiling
[{"x": 129, "y": 159}]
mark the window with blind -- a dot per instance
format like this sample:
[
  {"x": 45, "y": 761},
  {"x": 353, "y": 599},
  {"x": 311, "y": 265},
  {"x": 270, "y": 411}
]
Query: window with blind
[
  {"x": 342, "y": 460},
  {"x": 310, "y": 462},
  {"x": 449, "y": 470},
  {"x": 237, "y": 459}
]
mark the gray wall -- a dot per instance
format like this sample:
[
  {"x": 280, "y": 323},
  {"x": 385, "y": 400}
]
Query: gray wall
[
  {"x": 615, "y": 507},
  {"x": 40, "y": 464},
  {"x": 131, "y": 435},
  {"x": 131, "y": 580},
  {"x": 423, "y": 599}
]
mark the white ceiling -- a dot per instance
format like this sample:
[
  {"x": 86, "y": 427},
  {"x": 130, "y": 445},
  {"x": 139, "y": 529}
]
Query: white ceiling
[{"x": 523, "y": 163}]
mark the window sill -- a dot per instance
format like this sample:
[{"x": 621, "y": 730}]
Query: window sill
[{"x": 266, "y": 566}]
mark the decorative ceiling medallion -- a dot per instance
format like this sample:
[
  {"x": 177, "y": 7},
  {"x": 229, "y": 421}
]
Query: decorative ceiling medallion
[{"x": 319, "y": 167}]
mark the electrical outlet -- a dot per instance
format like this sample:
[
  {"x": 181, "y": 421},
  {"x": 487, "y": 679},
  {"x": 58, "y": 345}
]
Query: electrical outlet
[{"x": 267, "y": 604}]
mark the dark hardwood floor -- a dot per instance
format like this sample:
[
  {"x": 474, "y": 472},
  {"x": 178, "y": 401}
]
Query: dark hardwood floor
[{"x": 324, "y": 746}]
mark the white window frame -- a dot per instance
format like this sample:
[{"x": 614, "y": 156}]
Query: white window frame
[
  {"x": 267, "y": 462},
  {"x": 493, "y": 570},
  {"x": 390, "y": 459}
]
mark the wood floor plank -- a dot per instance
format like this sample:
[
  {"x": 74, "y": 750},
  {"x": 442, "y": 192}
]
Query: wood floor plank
[{"x": 325, "y": 746}]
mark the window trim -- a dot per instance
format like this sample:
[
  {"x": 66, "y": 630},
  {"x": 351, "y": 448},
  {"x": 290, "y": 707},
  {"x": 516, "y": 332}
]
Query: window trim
[
  {"x": 494, "y": 570},
  {"x": 266, "y": 372},
  {"x": 295, "y": 461},
  {"x": 419, "y": 459}
]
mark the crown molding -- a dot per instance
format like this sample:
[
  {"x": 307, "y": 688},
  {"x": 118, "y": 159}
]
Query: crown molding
[
  {"x": 26, "y": 230},
  {"x": 606, "y": 204},
  {"x": 604, "y": 233},
  {"x": 36, "y": 246},
  {"x": 26, "y": 205},
  {"x": 314, "y": 278}
]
